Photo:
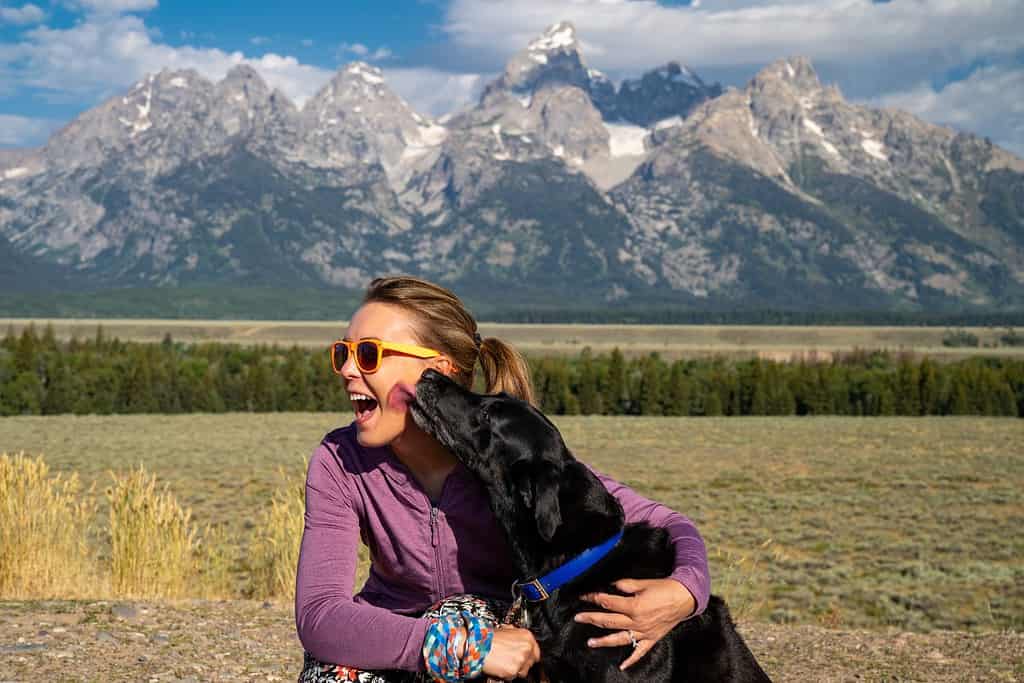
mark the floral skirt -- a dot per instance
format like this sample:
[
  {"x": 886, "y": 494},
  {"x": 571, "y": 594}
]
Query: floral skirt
[{"x": 315, "y": 671}]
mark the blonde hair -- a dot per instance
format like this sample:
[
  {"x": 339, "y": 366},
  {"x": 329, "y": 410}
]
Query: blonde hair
[{"x": 441, "y": 321}]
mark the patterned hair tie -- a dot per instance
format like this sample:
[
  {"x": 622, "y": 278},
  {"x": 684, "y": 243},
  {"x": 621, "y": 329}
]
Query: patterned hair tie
[
  {"x": 456, "y": 646},
  {"x": 478, "y": 340}
]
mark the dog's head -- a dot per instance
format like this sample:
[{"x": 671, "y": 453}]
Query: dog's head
[{"x": 547, "y": 502}]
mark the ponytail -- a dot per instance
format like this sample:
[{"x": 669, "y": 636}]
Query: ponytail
[{"x": 505, "y": 370}]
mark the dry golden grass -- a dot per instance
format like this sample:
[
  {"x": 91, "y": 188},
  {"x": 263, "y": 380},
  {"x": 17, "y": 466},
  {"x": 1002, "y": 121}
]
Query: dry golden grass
[
  {"x": 778, "y": 342},
  {"x": 855, "y": 522},
  {"x": 53, "y": 544},
  {"x": 275, "y": 549},
  {"x": 152, "y": 539},
  {"x": 44, "y": 522}
]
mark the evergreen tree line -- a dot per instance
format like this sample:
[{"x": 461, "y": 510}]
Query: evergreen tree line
[{"x": 39, "y": 375}]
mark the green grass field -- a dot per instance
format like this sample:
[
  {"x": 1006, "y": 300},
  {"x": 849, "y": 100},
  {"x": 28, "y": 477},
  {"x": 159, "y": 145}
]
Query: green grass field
[
  {"x": 777, "y": 342},
  {"x": 911, "y": 522}
]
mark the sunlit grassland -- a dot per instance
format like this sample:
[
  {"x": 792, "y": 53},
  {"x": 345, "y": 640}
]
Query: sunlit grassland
[
  {"x": 777, "y": 342},
  {"x": 912, "y": 522}
]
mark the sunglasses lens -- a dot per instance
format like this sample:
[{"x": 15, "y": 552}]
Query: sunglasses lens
[
  {"x": 366, "y": 356},
  {"x": 339, "y": 354}
]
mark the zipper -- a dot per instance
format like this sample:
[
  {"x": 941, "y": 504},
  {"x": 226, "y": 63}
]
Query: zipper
[
  {"x": 434, "y": 541},
  {"x": 435, "y": 538}
]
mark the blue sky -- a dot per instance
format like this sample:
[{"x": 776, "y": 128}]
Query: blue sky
[{"x": 956, "y": 62}]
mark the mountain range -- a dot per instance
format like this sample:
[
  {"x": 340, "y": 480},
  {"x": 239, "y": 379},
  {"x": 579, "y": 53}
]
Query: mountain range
[{"x": 557, "y": 185}]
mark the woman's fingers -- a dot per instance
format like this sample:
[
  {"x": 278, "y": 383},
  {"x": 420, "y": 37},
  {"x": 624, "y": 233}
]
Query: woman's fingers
[
  {"x": 642, "y": 648},
  {"x": 623, "y": 604},
  {"x": 609, "y": 620},
  {"x": 617, "y": 639}
]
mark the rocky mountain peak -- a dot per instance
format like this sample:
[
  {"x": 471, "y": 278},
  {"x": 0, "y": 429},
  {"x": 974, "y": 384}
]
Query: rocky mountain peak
[
  {"x": 794, "y": 72},
  {"x": 560, "y": 37},
  {"x": 353, "y": 90},
  {"x": 553, "y": 58},
  {"x": 356, "y": 119},
  {"x": 243, "y": 86},
  {"x": 359, "y": 72},
  {"x": 672, "y": 90},
  {"x": 183, "y": 79},
  {"x": 678, "y": 73},
  {"x": 246, "y": 78}
]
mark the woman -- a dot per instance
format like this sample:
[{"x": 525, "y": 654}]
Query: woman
[{"x": 427, "y": 523}]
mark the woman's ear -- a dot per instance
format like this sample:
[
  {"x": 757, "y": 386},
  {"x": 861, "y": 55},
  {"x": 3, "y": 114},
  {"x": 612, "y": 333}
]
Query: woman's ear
[{"x": 444, "y": 365}]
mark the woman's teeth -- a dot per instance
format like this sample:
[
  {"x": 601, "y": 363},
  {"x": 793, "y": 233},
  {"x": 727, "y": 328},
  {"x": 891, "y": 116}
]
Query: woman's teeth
[{"x": 361, "y": 402}]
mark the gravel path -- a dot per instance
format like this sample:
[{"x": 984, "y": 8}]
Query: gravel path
[{"x": 252, "y": 641}]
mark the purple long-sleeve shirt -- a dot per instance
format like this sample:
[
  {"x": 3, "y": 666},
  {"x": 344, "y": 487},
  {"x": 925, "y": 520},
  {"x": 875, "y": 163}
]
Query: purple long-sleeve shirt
[{"x": 421, "y": 552}]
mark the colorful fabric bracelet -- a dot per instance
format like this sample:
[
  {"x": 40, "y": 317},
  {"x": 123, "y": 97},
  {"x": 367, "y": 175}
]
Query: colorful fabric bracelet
[
  {"x": 456, "y": 646},
  {"x": 479, "y": 638}
]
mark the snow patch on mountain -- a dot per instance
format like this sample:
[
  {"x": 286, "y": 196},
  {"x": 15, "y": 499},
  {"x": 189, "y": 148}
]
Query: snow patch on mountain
[
  {"x": 814, "y": 128},
  {"x": 670, "y": 122},
  {"x": 559, "y": 36},
  {"x": 874, "y": 148},
  {"x": 625, "y": 139}
]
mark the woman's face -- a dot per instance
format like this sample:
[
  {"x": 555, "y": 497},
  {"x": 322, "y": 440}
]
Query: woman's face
[{"x": 380, "y": 421}]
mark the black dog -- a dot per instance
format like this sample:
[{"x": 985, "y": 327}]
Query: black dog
[{"x": 553, "y": 508}]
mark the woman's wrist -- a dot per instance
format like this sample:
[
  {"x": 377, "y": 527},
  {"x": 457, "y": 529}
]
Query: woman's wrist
[
  {"x": 456, "y": 646},
  {"x": 686, "y": 600}
]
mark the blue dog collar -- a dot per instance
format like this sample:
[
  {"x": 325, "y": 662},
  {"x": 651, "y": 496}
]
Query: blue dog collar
[{"x": 541, "y": 588}]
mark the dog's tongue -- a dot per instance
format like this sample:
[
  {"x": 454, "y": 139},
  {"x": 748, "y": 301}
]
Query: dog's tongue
[{"x": 401, "y": 395}]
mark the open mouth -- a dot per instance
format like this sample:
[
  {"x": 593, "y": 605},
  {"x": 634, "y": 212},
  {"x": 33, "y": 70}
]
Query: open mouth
[{"x": 363, "y": 405}]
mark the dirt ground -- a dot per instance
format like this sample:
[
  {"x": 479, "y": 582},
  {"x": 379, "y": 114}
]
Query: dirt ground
[{"x": 253, "y": 641}]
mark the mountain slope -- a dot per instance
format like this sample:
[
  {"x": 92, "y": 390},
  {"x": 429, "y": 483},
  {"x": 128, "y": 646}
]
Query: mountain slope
[{"x": 558, "y": 184}]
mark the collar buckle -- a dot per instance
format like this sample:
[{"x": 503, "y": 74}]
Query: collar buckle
[
  {"x": 542, "y": 593},
  {"x": 533, "y": 591}
]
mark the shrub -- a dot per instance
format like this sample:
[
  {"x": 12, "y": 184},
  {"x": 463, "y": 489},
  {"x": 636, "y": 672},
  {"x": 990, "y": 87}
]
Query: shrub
[
  {"x": 43, "y": 532},
  {"x": 1011, "y": 338},
  {"x": 959, "y": 337},
  {"x": 153, "y": 542}
]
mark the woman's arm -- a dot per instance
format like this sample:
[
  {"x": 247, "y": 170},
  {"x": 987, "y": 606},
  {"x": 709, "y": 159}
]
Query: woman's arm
[
  {"x": 330, "y": 625},
  {"x": 691, "y": 566}
]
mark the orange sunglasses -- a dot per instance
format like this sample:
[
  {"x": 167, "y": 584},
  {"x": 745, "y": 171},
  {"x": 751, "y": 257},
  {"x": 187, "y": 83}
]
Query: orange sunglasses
[{"x": 369, "y": 352}]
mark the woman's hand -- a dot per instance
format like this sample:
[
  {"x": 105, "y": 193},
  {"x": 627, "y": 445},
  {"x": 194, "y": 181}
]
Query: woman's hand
[
  {"x": 650, "y": 609},
  {"x": 513, "y": 652}
]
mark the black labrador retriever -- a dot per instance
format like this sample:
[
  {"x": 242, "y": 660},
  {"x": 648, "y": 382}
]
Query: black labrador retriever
[{"x": 553, "y": 508}]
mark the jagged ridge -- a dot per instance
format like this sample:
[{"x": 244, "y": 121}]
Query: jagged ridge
[{"x": 662, "y": 189}]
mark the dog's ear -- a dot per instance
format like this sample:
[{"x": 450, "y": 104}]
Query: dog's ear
[
  {"x": 538, "y": 489},
  {"x": 546, "y": 508}
]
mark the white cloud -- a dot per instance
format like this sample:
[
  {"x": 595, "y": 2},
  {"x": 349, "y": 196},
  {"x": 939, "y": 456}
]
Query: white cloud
[
  {"x": 23, "y": 131},
  {"x": 114, "y": 6},
  {"x": 636, "y": 34},
  {"x": 345, "y": 50},
  {"x": 307, "y": 42},
  {"x": 357, "y": 49},
  {"x": 104, "y": 54},
  {"x": 991, "y": 101},
  {"x": 435, "y": 92},
  {"x": 21, "y": 16},
  {"x": 259, "y": 40}
]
